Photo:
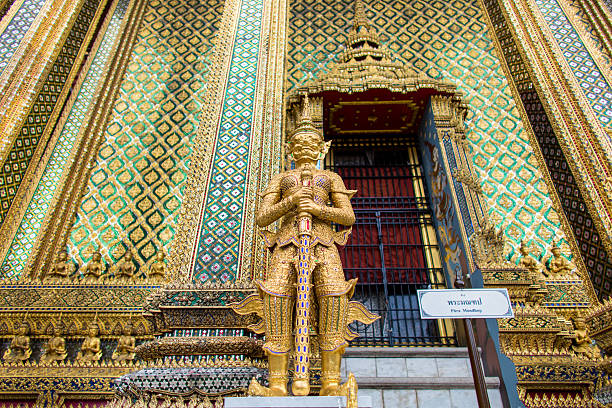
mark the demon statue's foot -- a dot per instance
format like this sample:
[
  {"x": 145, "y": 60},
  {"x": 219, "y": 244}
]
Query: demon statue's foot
[
  {"x": 348, "y": 389},
  {"x": 258, "y": 390}
]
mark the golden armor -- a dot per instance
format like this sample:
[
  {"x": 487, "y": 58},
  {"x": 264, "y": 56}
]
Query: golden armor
[
  {"x": 126, "y": 346},
  {"x": 19, "y": 350},
  {"x": 90, "y": 348},
  {"x": 307, "y": 201},
  {"x": 55, "y": 349}
]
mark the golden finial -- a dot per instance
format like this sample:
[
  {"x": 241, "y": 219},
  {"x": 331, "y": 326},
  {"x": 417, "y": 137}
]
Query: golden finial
[{"x": 360, "y": 18}]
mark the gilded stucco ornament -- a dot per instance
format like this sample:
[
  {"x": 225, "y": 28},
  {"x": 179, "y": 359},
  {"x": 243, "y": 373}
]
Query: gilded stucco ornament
[
  {"x": 157, "y": 273},
  {"x": 582, "y": 343},
  {"x": 90, "y": 348},
  {"x": 528, "y": 262},
  {"x": 126, "y": 346},
  {"x": 126, "y": 270},
  {"x": 558, "y": 265},
  {"x": 55, "y": 350},
  {"x": 488, "y": 247},
  {"x": 94, "y": 269},
  {"x": 61, "y": 269},
  {"x": 303, "y": 250},
  {"x": 19, "y": 349},
  {"x": 537, "y": 290}
]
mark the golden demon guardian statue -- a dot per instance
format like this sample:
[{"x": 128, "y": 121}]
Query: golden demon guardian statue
[{"x": 303, "y": 252}]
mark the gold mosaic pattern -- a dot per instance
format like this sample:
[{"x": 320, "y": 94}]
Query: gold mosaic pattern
[
  {"x": 135, "y": 188},
  {"x": 447, "y": 38}
]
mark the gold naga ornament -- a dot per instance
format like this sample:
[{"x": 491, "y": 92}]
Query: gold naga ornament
[{"x": 304, "y": 254}]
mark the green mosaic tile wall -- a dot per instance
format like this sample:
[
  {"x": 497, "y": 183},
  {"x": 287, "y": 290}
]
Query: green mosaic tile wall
[
  {"x": 134, "y": 192},
  {"x": 448, "y": 39},
  {"x": 21, "y": 246},
  {"x": 33, "y": 127}
]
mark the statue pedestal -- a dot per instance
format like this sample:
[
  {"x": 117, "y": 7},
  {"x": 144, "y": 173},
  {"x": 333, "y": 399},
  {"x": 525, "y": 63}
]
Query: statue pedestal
[{"x": 291, "y": 402}]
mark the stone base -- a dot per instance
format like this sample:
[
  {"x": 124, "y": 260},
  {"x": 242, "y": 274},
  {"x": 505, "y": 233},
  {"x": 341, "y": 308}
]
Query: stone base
[{"x": 291, "y": 402}]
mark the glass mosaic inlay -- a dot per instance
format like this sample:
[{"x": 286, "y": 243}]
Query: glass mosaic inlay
[
  {"x": 218, "y": 246},
  {"x": 135, "y": 189},
  {"x": 16, "y": 30},
  {"x": 16, "y": 258},
  {"x": 592, "y": 82}
]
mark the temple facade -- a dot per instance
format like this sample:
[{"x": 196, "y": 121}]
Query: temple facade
[{"x": 138, "y": 137}]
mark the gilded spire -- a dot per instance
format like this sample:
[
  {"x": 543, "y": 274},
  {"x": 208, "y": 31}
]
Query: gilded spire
[
  {"x": 360, "y": 19},
  {"x": 363, "y": 40}
]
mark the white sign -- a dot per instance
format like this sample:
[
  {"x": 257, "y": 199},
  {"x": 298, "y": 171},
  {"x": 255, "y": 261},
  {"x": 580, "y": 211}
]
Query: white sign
[{"x": 464, "y": 303}]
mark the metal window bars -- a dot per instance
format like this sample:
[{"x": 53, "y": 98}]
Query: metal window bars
[{"x": 393, "y": 249}]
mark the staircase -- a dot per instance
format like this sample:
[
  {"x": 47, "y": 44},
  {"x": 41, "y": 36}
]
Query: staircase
[{"x": 414, "y": 377}]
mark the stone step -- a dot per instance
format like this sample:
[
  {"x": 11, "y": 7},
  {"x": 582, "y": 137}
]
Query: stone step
[
  {"x": 417, "y": 377},
  {"x": 441, "y": 352},
  {"x": 406, "y": 362},
  {"x": 420, "y": 383},
  {"x": 428, "y": 398},
  {"x": 363, "y": 401}
]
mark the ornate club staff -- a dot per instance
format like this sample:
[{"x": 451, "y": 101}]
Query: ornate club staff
[{"x": 301, "y": 377}]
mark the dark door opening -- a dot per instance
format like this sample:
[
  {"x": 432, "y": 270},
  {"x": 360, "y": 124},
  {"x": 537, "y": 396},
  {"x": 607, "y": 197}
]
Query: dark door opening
[{"x": 393, "y": 249}]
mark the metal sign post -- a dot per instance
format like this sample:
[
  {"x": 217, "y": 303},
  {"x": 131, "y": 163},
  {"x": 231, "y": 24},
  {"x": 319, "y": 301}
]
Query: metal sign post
[
  {"x": 465, "y": 304},
  {"x": 477, "y": 371}
]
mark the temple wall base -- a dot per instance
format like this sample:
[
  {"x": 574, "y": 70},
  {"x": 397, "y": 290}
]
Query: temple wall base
[
  {"x": 438, "y": 377},
  {"x": 290, "y": 402}
]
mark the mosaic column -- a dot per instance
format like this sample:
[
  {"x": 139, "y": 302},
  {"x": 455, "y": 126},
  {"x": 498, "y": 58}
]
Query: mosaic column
[{"x": 236, "y": 148}]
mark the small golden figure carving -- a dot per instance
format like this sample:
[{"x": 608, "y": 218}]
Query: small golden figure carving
[
  {"x": 157, "y": 273},
  {"x": 126, "y": 270},
  {"x": 55, "y": 350},
  {"x": 528, "y": 262},
  {"x": 94, "y": 269},
  {"x": 558, "y": 264},
  {"x": 126, "y": 346},
  {"x": 19, "y": 350},
  {"x": 90, "y": 349},
  {"x": 303, "y": 251},
  {"x": 582, "y": 343},
  {"x": 61, "y": 269}
]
